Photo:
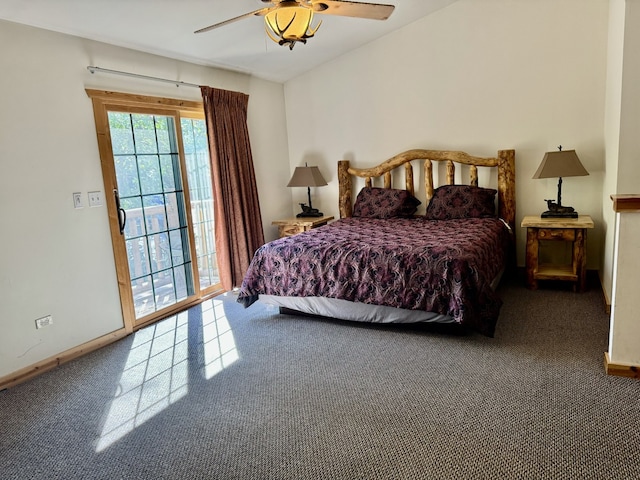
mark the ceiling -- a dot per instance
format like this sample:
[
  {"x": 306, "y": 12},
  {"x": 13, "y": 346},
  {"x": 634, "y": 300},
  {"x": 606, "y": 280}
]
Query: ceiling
[{"x": 165, "y": 27}]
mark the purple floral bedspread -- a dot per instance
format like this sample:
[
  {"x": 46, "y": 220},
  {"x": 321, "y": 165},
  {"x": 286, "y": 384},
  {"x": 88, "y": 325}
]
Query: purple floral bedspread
[{"x": 443, "y": 266}]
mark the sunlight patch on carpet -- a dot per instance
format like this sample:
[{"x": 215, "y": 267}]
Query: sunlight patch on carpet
[
  {"x": 219, "y": 345},
  {"x": 156, "y": 373}
]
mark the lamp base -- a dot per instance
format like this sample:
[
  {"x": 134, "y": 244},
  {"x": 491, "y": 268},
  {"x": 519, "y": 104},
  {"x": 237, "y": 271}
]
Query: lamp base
[
  {"x": 552, "y": 214},
  {"x": 309, "y": 211},
  {"x": 310, "y": 214}
]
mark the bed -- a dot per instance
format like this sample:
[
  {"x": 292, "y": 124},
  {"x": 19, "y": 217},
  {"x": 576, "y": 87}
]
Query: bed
[{"x": 384, "y": 261}]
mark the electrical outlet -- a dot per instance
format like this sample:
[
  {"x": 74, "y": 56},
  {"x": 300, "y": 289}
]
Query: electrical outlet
[
  {"x": 44, "y": 321},
  {"x": 95, "y": 199},
  {"x": 77, "y": 200}
]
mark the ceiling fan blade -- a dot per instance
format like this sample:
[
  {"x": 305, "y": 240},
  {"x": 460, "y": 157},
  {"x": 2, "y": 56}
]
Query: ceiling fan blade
[
  {"x": 375, "y": 11},
  {"x": 259, "y": 13}
]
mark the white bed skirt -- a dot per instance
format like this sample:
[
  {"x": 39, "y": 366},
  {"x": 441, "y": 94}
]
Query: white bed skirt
[{"x": 359, "y": 312}]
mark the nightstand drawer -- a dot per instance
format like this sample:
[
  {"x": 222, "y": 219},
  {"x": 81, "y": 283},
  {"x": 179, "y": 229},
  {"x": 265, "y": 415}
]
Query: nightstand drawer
[
  {"x": 288, "y": 230},
  {"x": 568, "y": 234},
  {"x": 293, "y": 226}
]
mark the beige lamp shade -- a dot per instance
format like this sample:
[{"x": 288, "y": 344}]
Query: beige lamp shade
[
  {"x": 563, "y": 163},
  {"x": 307, "y": 177}
]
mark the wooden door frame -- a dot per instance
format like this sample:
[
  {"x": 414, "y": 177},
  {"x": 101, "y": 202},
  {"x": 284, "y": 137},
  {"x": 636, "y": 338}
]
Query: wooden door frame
[{"x": 103, "y": 102}]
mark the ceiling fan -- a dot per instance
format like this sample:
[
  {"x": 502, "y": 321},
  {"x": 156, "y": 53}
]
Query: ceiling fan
[{"x": 289, "y": 21}]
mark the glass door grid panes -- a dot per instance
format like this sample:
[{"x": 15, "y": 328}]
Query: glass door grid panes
[
  {"x": 150, "y": 191},
  {"x": 196, "y": 154}
]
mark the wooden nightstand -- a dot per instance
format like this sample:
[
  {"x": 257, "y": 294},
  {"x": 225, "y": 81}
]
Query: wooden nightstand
[
  {"x": 572, "y": 230},
  {"x": 291, "y": 226}
]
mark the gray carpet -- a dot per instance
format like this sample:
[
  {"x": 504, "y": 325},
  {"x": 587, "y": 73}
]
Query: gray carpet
[{"x": 221, "y": 392}]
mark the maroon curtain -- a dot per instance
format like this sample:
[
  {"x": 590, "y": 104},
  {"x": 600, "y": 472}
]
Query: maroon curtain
[{"x": 238, "y": 224}]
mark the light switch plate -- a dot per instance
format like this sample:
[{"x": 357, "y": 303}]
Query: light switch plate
[
  {"x": 95, "y": 199},
  {"x": 77, "y": 200},
  {"x": 44, "y": 321}
]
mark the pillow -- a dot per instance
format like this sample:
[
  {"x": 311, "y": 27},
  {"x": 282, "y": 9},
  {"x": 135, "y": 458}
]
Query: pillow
[
  {"x": 461, "y": 201},
  {"x": 373, "y": 202}
]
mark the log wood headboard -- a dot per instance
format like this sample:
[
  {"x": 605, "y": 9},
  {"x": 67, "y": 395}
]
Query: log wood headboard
[{"x": 504, "y": 162}]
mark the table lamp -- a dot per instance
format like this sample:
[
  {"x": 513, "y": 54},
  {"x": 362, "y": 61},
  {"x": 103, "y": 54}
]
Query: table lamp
[
  {"x": 563, "y": 163},
  {"x": 307, "y": 177}
]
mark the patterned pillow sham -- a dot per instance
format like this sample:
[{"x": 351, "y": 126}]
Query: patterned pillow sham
[
  {"x": 461, "y": 201},
  {"x": 374, "y": 202}
]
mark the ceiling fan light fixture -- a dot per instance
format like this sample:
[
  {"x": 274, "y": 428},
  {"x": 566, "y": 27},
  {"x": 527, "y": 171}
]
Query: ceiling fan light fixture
[{"x": 289, "y": 23}]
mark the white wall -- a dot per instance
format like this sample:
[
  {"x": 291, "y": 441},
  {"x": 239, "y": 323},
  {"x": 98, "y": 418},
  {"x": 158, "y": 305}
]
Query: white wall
[
  {"x": 624, "y": 332},
  {"x": 613, "y": 107},
  {"x": 478, "y": 76},
  {"x": 54, "y": 259},
  {"x": 623, "y": 152},
  {"x": 629, "y": 153}
]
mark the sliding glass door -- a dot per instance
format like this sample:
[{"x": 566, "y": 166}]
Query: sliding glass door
[
  {"x": 150, "y": 197},
  {"x": 156, "y": 167}
]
